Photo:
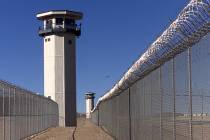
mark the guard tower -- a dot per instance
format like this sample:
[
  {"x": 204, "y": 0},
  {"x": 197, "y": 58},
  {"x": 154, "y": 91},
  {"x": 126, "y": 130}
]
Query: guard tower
[
  {"x": 89, "y": 97},
  {"x": 59, "y": 32}
]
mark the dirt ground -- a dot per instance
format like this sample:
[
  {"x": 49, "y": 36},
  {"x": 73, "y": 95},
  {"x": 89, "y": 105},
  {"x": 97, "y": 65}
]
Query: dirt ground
[{"x": 84, "y": 131}]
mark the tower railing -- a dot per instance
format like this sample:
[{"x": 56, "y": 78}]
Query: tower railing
[{"x": 54, "y": 28}]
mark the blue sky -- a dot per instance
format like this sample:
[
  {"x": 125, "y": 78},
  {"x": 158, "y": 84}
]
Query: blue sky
[{"x": 114, "y": 35}]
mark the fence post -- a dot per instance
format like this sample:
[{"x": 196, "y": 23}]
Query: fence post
[
  {"x": 14, "y": 117},
  {"x": 9, "y": 116},
  {"x": 161, "y": 103},
  {"x": 3, "y": 114},
  {"x": 174, "y": 99},
  {"x": 98, "y": 117},
  {"x": 129, "y": 109},
  {"x": 190, "y": 91}
]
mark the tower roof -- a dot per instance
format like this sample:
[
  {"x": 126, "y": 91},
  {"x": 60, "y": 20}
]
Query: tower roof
[
  {"x": 90, "y": 94},
  {"x": 55, "y": 13}
]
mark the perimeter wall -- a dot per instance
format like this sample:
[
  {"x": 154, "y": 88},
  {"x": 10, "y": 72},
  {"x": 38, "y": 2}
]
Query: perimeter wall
[{"x": 24, "y": 113}]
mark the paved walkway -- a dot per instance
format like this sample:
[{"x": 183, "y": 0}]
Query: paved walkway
[
  {"x": 58, "y": 133},
  {"x": 88, "y": 131},
  {"x": 84, "y": 131}
]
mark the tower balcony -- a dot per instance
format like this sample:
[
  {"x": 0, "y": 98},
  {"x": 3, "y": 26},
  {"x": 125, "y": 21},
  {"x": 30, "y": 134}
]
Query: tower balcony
[{"x": 57, "y": 29}]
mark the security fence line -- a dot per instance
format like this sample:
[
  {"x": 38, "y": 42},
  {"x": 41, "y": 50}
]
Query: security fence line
[
  {"x": 165, "y": 95},
  {"x": 170, "y": 103},
  {"x": 24, "y": 113},
  {"x": 189, "y": 27}
]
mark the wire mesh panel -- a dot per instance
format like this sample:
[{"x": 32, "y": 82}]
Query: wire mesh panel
[
  {"x": 169, "y": 85},
  {"x": 30, "y": 99},
  {"x": 156, "y": 104},
  {"x": 137, "y": 102},
  {"x": 102, "y": 114},
  {"x": 21, "y": 112},
  {"x": 17, "y": 114},
  {"x": 39, "y": 114},
  {"x": 114, "y": 119},
  {"x": 1, "y": 112},
  {"x": 201, "y": 89},
  {"x": 168, "y": 101},
  {"x": 12, "y": 114},
  {"x": 36, "y": 114},
  {"x": 182, "y": 100},
  {"x": 42, "y": 114},
  {"x": 32, "y": 114},
  {"x": 123, "y": 116},
  {"x": 6, "y": 113},
  {"x": 22, "y": 115},
  {"x": 147, "y": 121},
  {"x": 94, "y": 117},
  {"x": 108, "y": 125}
]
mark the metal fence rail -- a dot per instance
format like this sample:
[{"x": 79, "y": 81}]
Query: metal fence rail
[
  {"x": 23, "y": 113},
  {"x": 170, "y": 103}
]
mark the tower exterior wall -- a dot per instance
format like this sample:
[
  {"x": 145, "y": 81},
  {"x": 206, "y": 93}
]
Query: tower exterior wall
[
  {"x": 89, "y": 107},
  {"x": 70, "y": 79},
  {"x": 60, "y": 75}
]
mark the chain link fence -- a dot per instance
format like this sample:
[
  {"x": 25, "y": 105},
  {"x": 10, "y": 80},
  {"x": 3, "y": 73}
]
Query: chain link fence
[
  {"x": 170, "y": 103},
  {"x": 23, "y": 113}
]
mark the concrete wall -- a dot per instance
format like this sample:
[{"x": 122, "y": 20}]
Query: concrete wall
[
  {"x": 70, "y": 80},
  {"x": 23, "y": 113},
  {"x": 161, "y": 105},
  {"x": 60, "y": 75}
]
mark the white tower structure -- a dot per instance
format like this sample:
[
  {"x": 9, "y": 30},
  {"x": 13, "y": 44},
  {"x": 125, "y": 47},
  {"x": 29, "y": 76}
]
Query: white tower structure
[
  {"x": 89, "y": 97},
  {"x": 59, "y": 32}
]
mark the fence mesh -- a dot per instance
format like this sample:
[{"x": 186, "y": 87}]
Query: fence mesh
[
  {"x": 170, "y": 103},
  {"x": 23, "y": 113}
]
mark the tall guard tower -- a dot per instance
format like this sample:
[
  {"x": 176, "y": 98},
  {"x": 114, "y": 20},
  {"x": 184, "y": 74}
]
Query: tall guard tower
[
  {"x": 89, "y": 97},
  {"x": 59, "y": 32}
]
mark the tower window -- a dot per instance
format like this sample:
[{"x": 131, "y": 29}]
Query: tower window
[
  {"x": 48, "y": 39},
  {"x": 59, "y": 21},
  {"x": 69, "y": 22},
  {"x": 45, "y": 40},
  {"x": 48, "y": 24}
]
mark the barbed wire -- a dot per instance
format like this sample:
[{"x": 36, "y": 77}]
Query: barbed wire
[{"x": 190, "y": 26}]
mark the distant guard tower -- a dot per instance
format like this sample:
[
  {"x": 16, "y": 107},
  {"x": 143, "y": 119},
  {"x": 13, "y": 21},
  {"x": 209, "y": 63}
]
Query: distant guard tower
[
  {"x": 89, "y": 97},
  {"x": 59, "y": 32}
]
